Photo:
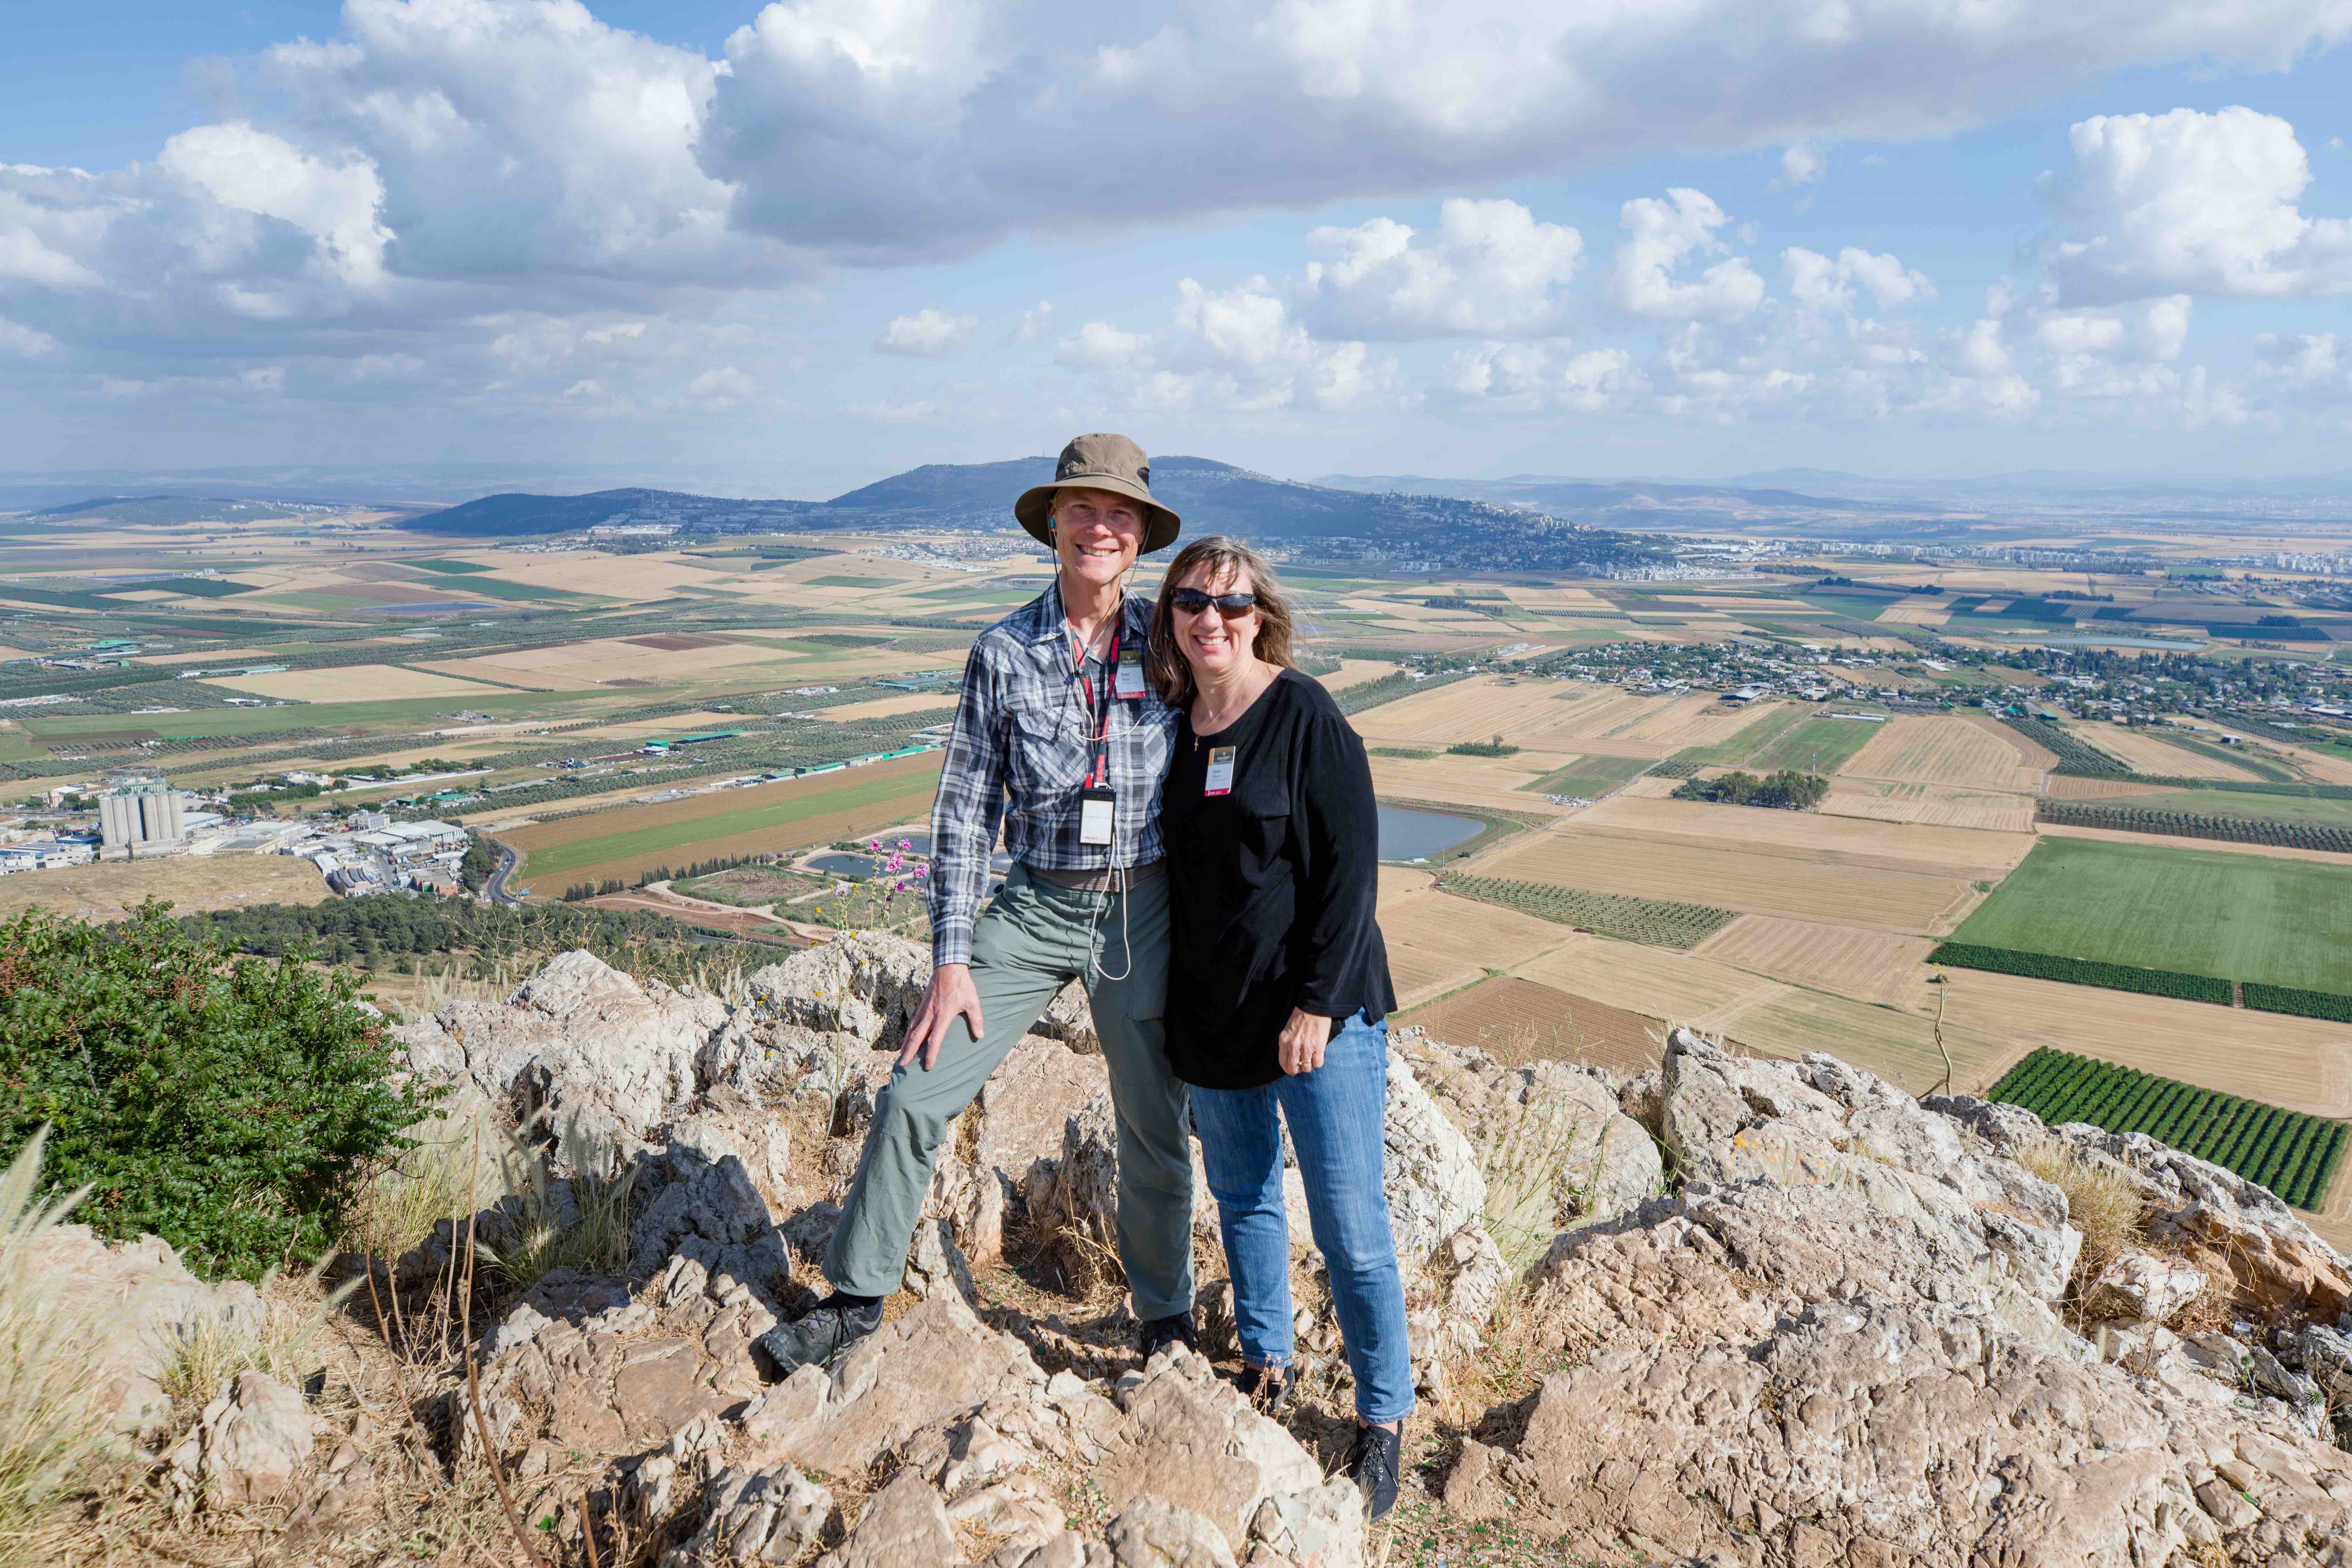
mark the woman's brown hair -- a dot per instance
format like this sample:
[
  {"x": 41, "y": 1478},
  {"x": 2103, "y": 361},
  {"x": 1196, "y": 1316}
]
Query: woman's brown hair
[{"x": 1226, "y": 558}]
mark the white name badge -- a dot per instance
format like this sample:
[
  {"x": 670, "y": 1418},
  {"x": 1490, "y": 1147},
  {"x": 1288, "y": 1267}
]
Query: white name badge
[
  {"x": 1094, "y": 815},
  {"x": 1220, "y": 771},
  {"x": 1128, "y": 686}
]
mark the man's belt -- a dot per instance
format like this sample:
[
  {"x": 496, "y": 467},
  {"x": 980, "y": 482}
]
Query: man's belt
[{"x": 1108, "y": 880}]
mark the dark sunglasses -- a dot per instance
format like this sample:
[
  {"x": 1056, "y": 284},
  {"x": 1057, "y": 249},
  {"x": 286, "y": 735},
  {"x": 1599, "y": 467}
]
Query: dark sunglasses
[{"x": 1232, "y": 606}]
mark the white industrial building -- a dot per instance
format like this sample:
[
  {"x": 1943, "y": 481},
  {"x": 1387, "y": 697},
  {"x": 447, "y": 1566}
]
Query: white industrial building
[{"x": 143, "y": 813}]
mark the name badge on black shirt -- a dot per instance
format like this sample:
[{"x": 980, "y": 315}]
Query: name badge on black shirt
[{"x": 1220, "y": 778}]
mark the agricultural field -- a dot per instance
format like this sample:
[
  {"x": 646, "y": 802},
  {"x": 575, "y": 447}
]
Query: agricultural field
[
  {"x": 626, "y": 841},
  {"x": 1754, "y": 878},
  {"x": 1439, "y": 943},
  {"x": 2167, "y": 821},
  {"x": 2194, "y": 911},
  {"x": 2144, "y": 752},
  {"x": 1818, "y": 745},
  {"x": 1958, "y": 851},
  {"x": 1650, "y": 921},
  {"x": 2294, "y": 1155},
  {"x": 355, "y": 683},
  {"x": 1761, "y": 729},
  {"x": 1936, "y": 806},
  {"x": 1587, "y": 776},
  {"x": 1880, "y": 967},
  {"x": 110, "y": 889},
  {"x": 1518, "y": 1022},
  {"x": 1945, "y": 751}
]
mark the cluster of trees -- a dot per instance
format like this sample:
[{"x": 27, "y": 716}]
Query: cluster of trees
[
  {"x": 1496, "y": 747},
  {"x": 1786, "y": 790}
]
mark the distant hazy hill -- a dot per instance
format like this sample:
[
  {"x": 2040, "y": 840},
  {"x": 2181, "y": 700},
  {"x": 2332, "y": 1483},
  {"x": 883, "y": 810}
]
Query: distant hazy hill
[
  {"x": 503, "y": 516},
  {"x": 1569, "y": 497},
  {"x": 159, "y": 511},
  {"x": 1212, "y": 497}
]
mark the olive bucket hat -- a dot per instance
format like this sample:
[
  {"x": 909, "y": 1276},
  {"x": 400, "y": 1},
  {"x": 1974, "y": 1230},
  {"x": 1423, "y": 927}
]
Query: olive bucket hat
[{"x": 1099, "y": 462}]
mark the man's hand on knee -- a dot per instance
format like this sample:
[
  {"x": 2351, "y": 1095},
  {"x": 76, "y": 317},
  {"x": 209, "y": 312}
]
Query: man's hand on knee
[{"x": 950, "y": 994}]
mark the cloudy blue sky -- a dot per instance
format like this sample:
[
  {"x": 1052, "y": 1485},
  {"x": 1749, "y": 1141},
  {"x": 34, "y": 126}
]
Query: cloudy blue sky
[{"x": 1478, "y": 238}]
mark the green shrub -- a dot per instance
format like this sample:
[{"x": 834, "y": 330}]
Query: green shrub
[{"x": 230, "y": 1106}]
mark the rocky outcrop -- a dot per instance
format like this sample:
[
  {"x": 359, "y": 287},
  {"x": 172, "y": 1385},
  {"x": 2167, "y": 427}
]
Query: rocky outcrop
[
  {"x": 1836, "y": 1344},
  {"x": 144, "y": 1306},
  {"x": 2216, "y": 1217},
  {"x": 1785, "y": 1314}
]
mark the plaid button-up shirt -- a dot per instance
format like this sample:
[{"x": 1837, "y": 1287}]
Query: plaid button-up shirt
[{"x": 1023, "y": 734}]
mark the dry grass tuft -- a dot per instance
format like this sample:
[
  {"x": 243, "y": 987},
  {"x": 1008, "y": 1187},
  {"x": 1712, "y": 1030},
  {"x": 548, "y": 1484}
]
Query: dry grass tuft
[
  {"x": 590, "y": 1234},
  {"x": 52, "y": 1437},
  {"x": 283, "y": 1343},
  {"x": 2100, "y": 1202}
]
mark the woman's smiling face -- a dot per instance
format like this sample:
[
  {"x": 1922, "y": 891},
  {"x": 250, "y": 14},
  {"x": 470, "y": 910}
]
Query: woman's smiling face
[{"x": 1212, "y": 645}]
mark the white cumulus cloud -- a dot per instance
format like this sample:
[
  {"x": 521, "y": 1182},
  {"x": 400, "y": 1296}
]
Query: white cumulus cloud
[
  {"x": 2191, "y": 203},
  {"x": 926, "y": 335},
  {"x": 1816, "y": 282},
  {"x": 1490, "y": 269},
  {"x": 1659, "y": 236}
]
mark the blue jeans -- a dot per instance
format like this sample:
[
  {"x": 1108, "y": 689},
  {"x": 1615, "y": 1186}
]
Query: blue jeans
[{"x": 1337, "y": 1116}]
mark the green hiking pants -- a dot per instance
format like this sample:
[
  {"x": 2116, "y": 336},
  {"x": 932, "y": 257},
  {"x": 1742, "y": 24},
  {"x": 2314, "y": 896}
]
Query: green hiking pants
[{"x": 1033, "y": 939}]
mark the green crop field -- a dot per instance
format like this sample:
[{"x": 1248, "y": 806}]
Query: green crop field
[
  {"x": 1656, "y": 921},
  {"x": 2314, "y": 813},
  {"x": 686, "y": 832},
  {"x": 1757, "y": 734},
  {"x": 2233, "y": 917},
  {"x": 1588, "y": 776},
  {"x": 853, "y": 581},
  {"x": 2294, "y": 1155},
  {"x": 440, "y": 565},
  {"x": 1816, "y": 746}
]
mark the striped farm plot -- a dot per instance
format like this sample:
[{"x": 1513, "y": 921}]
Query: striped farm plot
[
  {"x": 2061, "y": 787},
  {"x": 1470, "y": 710},
  {"x": 354, "y": 683},
  {"x": 1500, "y": 782},
  {"x": 1934, "y": 804},
  {"x": 1758, "y": 877},
  {"x": 1438, "y": 943},
  {"x": 593, "y": 663},
  {"x": 2148, "y": 754},
  {"x": 1950, "y": 851},
  {"x": 1917, "y": 612},
  {"x": 1943, "y": 750},
  {"x": 1883, "y": 967}
]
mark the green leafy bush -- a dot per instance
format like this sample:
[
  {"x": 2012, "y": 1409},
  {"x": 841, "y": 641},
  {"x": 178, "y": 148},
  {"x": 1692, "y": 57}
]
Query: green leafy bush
[{"x": 231, "y": 1105}]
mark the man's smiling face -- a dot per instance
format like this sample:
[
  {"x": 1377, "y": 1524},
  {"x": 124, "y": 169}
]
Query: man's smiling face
[{"x": 1096, "y": 533}]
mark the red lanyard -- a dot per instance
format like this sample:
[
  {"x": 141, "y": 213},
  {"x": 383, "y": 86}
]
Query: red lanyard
[{"x": 1098, "y": 748}]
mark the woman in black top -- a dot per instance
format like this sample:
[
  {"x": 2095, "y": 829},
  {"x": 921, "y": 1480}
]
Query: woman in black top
[{"x": 1279, "y": 983}]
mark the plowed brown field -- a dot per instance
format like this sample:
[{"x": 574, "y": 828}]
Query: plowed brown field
[{"x": 1520, "y": 1021}]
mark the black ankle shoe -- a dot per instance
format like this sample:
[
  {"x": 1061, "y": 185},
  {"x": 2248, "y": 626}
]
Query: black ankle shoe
[
  {"x": 1374, "y": 1462},
  {"x": 1159, "y": 1333},
  {"x": 1272, "y": 1391},
  {"x": 820, "y": 1336}
]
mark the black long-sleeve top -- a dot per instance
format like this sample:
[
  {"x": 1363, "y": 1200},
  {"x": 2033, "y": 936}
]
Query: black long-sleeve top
[{"x": 1271, "y": 886}]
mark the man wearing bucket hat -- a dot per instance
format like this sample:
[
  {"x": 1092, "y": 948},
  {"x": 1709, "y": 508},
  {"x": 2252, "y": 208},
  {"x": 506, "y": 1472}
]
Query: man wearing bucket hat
[{"x": 1060, "y": 737}]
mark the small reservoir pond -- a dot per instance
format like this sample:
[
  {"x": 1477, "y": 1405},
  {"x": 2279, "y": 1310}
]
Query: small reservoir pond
[{"x": 1408, "y": 835}]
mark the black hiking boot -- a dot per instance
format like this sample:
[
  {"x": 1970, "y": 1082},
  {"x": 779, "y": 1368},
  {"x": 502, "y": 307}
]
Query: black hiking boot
[
  {"x": 1374, "y": 1462},
  {"x": 1159, "y": 1333},
  {"x": 821, "y": 1335},
  {"x": 1271, "y": 1391}
]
